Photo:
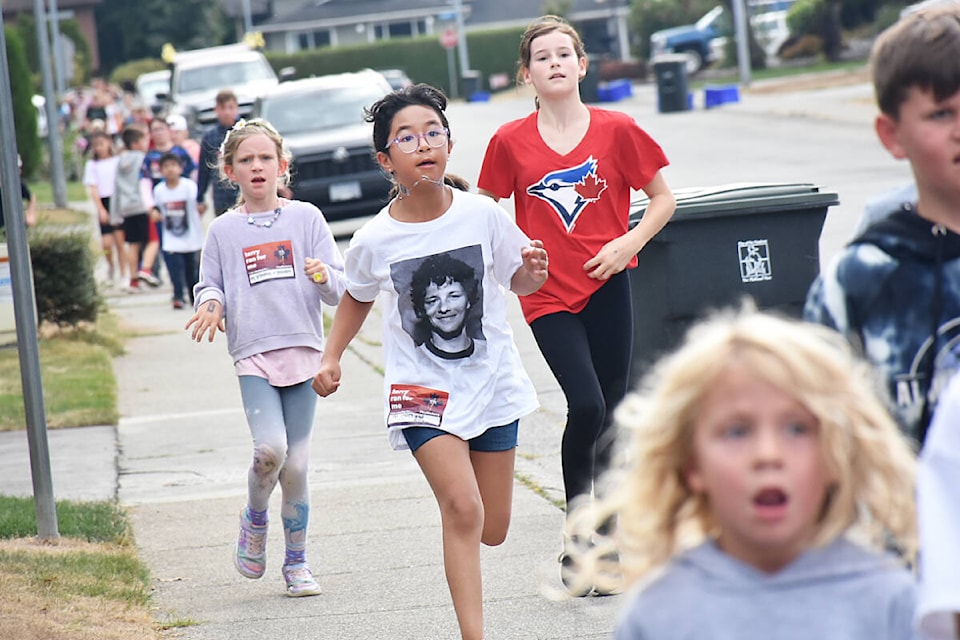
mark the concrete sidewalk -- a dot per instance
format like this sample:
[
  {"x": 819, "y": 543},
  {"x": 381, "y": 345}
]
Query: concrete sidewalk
[{"x": 184, "y": 449}]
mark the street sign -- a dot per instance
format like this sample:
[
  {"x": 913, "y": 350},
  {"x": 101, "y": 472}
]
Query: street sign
[{"x": 448, "y": 39}]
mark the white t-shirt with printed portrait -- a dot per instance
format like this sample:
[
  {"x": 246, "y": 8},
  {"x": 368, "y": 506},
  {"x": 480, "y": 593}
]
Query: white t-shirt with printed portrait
[{"x": 472, "y": 250}]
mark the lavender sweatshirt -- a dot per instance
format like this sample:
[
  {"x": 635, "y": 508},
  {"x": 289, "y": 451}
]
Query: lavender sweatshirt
[
  {"x": 839, "y": 592},
  {"x": 256, "y": 272}
]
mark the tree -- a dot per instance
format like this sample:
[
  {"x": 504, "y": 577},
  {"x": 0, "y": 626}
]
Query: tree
[
  {"x": 129, "y": 31},
  {"x": 81, "y": 65},
  {"x": 24, "y": 114}
]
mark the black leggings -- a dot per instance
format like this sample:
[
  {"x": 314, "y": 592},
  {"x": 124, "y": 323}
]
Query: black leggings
[{"x": 589, "y": 353}]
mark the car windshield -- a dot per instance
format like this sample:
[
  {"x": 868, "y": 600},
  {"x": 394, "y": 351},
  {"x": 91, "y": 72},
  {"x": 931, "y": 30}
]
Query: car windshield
[
  {"x": 320, "y": 109},
  {"x": 223, "y": 75}
]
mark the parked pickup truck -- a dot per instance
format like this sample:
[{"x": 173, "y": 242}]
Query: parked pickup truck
[{"x": 703, "y": 42}]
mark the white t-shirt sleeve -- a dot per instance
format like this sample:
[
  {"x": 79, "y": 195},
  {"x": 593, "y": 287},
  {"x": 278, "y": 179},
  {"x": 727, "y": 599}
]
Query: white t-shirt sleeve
[
  {"x": 938, "y": 505},
  {"x": 507, "y": 240},
  {"x": 358, "y": 266}
]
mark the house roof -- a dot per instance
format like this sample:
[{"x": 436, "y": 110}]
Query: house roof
[{"x": 477, "y": 13}]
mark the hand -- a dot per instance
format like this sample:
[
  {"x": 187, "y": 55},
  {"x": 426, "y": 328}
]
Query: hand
[
  {"x": 327, "y": 380},
  {"x": 316, "y": 270},
  {"x": 104, "y": 215},
  {"x": 202, "y": 207},
  {"x": 612, "y": 258},
  {"x": 207, "y": 319},
  {"x": 535, "y": 261}
]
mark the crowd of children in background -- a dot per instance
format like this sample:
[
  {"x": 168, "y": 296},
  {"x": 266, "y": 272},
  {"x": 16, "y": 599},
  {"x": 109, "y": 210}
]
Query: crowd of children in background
[{"x": 158, "y": 204}]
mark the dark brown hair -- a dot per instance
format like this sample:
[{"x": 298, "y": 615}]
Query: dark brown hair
[{"x": 921, "y": 50}]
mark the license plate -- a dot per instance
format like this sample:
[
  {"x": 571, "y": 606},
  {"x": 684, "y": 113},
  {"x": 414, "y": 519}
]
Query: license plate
[{"x": 341, "y": 191}]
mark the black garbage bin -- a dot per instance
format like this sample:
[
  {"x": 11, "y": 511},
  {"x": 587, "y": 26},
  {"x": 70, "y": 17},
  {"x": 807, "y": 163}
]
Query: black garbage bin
[
  {"x": 472, "y": 82},
  {"x": 670, "y": 71},
  {"x": 722, "y": 244},
  {"x": 590, "y": 83}
]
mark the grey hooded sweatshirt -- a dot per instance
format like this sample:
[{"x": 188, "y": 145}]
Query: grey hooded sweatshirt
[{"x": 838, "y": 592}]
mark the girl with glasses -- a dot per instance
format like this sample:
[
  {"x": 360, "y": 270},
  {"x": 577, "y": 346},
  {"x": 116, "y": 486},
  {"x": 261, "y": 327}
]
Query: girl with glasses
[{"x": 454, "y": 392}]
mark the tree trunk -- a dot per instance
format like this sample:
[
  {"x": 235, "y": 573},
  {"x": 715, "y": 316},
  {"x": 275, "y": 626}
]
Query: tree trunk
[{"x": 832, "y": 40}]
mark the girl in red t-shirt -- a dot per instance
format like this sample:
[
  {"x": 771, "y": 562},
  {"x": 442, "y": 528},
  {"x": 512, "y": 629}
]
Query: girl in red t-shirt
[{"x": 570, "y": 169}]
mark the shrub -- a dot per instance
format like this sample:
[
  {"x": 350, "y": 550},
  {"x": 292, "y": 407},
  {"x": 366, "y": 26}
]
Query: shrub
[{"x": 63, "y": 279}]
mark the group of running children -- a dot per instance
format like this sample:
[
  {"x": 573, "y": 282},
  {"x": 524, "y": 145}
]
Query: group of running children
[{"x": 757, "y": 484}]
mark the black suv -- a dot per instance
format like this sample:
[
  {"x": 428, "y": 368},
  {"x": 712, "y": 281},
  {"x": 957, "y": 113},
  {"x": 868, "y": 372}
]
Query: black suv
[{"x": 321, "y": 121}]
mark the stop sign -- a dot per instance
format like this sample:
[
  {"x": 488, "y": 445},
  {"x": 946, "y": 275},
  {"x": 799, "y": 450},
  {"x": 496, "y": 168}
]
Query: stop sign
[{"x": 448, "y": 39}]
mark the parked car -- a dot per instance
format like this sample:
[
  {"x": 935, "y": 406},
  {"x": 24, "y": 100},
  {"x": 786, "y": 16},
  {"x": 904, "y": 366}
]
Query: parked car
[
  {"x": 321, "y": 121},
  {"x": 198, "y": 75},
  {"x": 397, "y": 78},
  {"x": 703, "y": 42},
  {"x": 151, "y": 86}
]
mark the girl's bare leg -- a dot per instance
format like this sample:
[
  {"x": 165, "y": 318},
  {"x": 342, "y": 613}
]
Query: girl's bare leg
[{"x": 446, "y": 464}]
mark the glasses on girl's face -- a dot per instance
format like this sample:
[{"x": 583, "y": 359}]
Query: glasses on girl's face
[{"x": 410, "y": 142}]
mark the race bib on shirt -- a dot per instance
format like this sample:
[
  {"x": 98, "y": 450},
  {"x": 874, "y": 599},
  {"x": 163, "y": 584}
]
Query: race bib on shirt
[
  {"x": 269, "y": 261},
  {"x": 415, "y": 406}
]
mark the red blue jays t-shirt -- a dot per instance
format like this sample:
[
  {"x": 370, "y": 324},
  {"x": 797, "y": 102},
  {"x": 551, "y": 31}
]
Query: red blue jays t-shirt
[{"x": 575, "y": 203}]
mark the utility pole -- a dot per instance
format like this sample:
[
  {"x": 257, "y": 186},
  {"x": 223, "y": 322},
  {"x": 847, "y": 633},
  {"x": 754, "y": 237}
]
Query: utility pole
[
  {"x": 461, "y": 38},
  {"x": 24, "y": 309},
  {"x": 247, "y": 17},
  {"x": 53, "y": 117},
  {"x": 743, "y": 40},
  {"x": 58, "y": 61}
]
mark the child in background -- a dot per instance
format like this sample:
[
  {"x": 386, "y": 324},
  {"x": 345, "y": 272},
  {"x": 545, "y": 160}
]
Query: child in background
[
  {"x": 895, "y": 289},
  {"x": 180, "y": 134},
  {"x": 175, "y": 207},
  {"x": 225, "y": 193},
  {"x": 161, "y": 143},
  {"x": 456, "y": 410},
  {"x": 100, "y": 176},
  {"x": 571, "y": 169},
  {"x": 252, "y": 287},
  {"x": 129, "y": 201},
  {"x": 765, "y": 478}
]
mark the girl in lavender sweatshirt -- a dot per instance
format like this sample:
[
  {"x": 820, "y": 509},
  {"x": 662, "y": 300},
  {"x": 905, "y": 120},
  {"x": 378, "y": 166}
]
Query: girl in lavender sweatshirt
[{"x": 266, "y": 267}]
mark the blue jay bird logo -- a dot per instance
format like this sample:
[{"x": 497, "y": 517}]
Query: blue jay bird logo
[{"x": 570, "y": 190}]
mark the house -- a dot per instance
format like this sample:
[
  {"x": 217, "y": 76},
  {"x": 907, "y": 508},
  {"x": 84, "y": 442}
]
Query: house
[
  {"x": 295, "y": 25},
  {"x": 79, "y": 10}
]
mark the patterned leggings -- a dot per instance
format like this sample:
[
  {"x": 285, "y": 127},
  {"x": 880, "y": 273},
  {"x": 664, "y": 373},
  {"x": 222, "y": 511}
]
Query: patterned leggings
[{"x": 281, "y": 423}]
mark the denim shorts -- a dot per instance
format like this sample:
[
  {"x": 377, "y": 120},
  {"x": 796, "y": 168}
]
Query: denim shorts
[{"x": 493, "y": 439}]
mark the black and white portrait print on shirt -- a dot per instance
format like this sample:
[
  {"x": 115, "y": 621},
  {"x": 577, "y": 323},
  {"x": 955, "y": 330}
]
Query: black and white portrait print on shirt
[{"x": 440, "y": 299}]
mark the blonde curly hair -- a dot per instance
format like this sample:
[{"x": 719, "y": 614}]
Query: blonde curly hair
[{"x": 659, "y": 516}]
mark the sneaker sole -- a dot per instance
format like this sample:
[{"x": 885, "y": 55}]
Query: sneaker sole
[
  {"x": 244, "y": 572},
  {"x": 304, "y": 593}
]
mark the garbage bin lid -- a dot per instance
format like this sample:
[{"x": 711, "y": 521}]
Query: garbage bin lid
[
  {"x": 741, "y": 198},
  {"x": 669, "y": 58}
]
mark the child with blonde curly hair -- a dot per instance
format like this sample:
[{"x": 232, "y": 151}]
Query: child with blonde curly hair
[{"x": 765, "y": 480}]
